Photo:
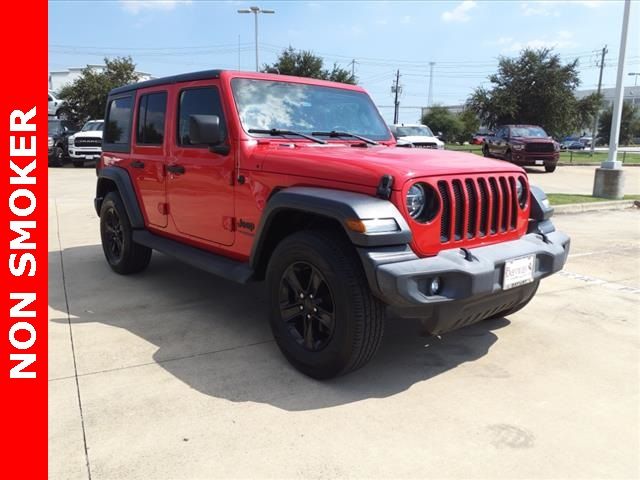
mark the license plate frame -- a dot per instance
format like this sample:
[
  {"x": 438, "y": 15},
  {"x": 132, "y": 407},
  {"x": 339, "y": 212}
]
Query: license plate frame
[
  {"x": 539, "y": 162},
  {"x": 518, "y": 271}
]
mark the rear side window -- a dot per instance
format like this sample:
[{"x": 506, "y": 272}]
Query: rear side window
[
  {"x": 151, "y": 114},
  {"x": 117, "y": 131},
  {"x": 198, "y": 101}
]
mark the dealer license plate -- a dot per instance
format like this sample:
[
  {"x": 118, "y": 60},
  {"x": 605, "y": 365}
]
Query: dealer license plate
[
  {"x": 518, "y": 271},
  {"x": 539, "y": 162},
  {"x": 91, "y": 157}
]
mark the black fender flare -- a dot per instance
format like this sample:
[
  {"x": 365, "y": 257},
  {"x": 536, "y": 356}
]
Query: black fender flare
[
  {"x": 336, "y": 205},
  {"x": 120, "y": 177}
]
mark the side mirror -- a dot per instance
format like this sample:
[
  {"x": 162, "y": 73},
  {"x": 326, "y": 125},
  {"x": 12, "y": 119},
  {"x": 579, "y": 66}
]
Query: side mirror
[{"x": 204, "y": 130}]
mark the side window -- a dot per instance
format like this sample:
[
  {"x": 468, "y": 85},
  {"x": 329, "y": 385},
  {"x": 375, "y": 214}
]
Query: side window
[
  {"x": 198, "y": 101},
  {"x": 151, "y": 114},
  {"x": 118, "y": 122}
]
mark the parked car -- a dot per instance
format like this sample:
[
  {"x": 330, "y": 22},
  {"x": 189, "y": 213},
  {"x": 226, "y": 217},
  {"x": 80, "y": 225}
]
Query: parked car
[
  {"x": 58, "y": 142},
  {"x": 586, "y": 141},
  {"x": 572, "y": 145},
  {"x": 415, "y": 135},
  {"x": 254, "y": 176},
  {"x": 56, "y": 105},
  {"x": 86, "y": 145},
  {"x": 478, "y": 138},
  {"x": 525, "y": 145}
]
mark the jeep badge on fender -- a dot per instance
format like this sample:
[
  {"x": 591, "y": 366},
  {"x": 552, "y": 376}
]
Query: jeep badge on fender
[{"x": 338, "y": 233}]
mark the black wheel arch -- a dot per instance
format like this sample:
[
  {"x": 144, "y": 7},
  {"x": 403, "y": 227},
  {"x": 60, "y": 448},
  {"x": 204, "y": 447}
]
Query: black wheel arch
[
  {"x": 117, "y": 179},
  {"x": 297, "y": 208}
]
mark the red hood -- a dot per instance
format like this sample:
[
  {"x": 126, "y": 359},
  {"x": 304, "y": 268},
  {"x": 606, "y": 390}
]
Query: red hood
[{"x": 365, "y": 166}]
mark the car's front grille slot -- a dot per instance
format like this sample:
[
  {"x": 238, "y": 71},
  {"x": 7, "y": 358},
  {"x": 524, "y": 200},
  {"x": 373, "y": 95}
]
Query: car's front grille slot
[
  {"x": 539, "y": 147},
  {"x": 477, "y": 207},
  {"x": 87, "y": 142},
  {"x": 495, "y": 205},
  {"x": 445, "y": 222},
  {"x": 472, "y": 224},
  {"x": 459, "y": 209}
]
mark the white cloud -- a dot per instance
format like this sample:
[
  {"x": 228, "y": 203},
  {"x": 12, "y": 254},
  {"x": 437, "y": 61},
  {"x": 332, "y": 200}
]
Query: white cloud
[
  {"x": 136, "y": 6},
  {"x": 562, "y": 39},
  {"x": 548, "y": 8},
  {"x": 460, "y": 13}
]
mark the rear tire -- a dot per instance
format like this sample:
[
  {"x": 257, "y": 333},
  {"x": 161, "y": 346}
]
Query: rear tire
[
  {"x": 123, "y": 255},
  {"x": 549, "y": 168},
  {"x": 319, "y": 271}
]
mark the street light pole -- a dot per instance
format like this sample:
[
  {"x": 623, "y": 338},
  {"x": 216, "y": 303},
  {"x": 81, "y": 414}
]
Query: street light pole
[
  {"x": 634, "y": 74},
  {"x": 609, "y": 178},
  {"x": 256, "y": 11}
]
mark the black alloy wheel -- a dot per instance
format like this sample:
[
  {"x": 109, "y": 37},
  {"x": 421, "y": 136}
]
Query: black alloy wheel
[
  {"x": 113, "y": 237},
  {"x": 123, "y": 255},
  {"x": 307, "y": 306}
]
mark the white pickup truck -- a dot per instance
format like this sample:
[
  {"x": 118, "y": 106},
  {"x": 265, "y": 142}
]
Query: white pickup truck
[{"x": 86, "y": 145}]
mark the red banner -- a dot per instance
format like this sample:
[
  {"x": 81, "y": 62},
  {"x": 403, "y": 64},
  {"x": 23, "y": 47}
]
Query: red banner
[{"x": 23, "y": 215}]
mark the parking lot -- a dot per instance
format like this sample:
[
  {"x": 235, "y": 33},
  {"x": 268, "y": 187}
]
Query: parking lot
[{"x": 173, "y": 373}]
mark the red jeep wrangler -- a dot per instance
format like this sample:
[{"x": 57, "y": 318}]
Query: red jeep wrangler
[{"x": 297, "y": 181}]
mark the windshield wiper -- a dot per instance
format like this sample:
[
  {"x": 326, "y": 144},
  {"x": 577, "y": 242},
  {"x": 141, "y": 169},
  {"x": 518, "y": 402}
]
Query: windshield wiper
[
  {"x": 334, "y": 134},
  {"x": 275, "y": 131}
]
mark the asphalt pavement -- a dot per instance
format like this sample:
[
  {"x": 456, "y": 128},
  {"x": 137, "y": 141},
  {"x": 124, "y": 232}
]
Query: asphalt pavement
[{"x": 173, "y": 374}]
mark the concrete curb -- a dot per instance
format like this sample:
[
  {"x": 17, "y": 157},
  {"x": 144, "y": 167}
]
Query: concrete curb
[
  {"x": 592, "y": 206},
  {"x": 593, "y": 164}
]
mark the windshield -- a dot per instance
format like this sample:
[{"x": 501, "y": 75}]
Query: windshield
[
  {"x": 92, "y": 126},
  {"x": 417, "y": 131},
  {"x": 266, "y": 105},
  {"x": 528, "y": 132},
  {"x": 54, "y": 127}
]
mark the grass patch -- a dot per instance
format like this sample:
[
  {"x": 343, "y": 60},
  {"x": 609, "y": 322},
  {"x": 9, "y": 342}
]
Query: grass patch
[
  {"x": 566, "y": 198},
  {"x": 565, "y": 157}
]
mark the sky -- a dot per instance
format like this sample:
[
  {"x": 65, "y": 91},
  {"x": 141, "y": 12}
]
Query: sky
[{"x": 465, "y": 39}]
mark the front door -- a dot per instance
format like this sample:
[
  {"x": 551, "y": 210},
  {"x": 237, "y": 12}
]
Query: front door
[{"x": 199, "y": 181}]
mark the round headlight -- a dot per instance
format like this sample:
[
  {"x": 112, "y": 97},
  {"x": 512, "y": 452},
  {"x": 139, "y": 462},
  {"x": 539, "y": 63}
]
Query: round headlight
[
  {"x": 415, "y": 200},
  {"x": 521, "y": 192}
]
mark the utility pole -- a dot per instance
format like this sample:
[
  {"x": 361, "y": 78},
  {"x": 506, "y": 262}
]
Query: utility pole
[
  {"x": 353, "y": 68},
  {"x": 430, "y": 94},
  {"x": 256, "y": 11},
  {"x": 595, "y": 117},
  {"x": 396, "y": 89}
]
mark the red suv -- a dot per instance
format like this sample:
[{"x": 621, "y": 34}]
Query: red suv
[
  {"x": 298, "y": 181},
  {"x": 526, "y": 145}
]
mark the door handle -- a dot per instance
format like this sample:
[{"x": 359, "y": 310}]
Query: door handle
[
  {"x": 137, "y": 164},
  {"x": 175, "y": 169}
]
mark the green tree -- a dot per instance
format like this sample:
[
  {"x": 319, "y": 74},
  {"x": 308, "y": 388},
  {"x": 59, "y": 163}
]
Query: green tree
[
  {"x": 86, "y": 97},
  {"x": 534, "y": 88},
  {"x": 470, "y": 125},
  {"x": 440, "y": 120},
  {"x": 303, "y": 63},
  {"x": 629, "y": 124}
]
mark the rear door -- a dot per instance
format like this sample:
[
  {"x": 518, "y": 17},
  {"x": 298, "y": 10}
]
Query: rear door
[
  {"x": 148, "y": 154},
  {"x": 199, "y": 181}
]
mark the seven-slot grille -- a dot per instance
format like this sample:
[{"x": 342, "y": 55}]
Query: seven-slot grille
[
  {"x": 477, "y": 207},
  {"x": 88, "y": 142},
  {"x": 539, "y": 147}
]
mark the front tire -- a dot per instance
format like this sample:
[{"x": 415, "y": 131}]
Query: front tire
[
  {"x": 123, "y": 255},
  {"x": 58, "y": 157},
  {"x": 485, "y": 151},
  {"x": 323, "y": 316},
  {"x": 549, "y": 168}
]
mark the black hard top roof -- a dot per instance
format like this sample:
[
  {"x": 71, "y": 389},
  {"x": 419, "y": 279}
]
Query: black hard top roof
[{"x": 184, "y": 77}]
